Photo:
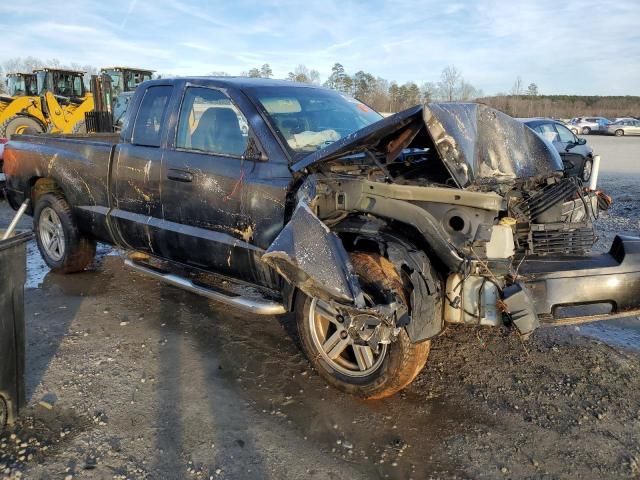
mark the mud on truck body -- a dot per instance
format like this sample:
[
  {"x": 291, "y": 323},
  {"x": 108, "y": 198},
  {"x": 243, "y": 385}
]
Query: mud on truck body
[{"x": 375, "y": 232}]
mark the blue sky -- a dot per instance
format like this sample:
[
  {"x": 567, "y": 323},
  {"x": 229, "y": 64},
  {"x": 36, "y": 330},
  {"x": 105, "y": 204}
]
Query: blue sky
[{"x": 565, "y": 46}]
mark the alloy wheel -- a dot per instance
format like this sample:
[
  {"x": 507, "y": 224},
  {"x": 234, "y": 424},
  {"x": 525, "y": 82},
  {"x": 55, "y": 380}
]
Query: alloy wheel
[
  {"x": 51, "y": 234},
  {"x": 336, "y": 346}
]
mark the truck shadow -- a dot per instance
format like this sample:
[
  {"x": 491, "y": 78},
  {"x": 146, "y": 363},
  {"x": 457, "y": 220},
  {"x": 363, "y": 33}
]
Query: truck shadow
[
  {"x": 46, "y": 327},
  {"x": 226, "y": 442},
  {"x": 260, "y": 357}
]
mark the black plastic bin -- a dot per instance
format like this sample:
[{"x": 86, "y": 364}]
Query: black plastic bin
[{"x": 12, "y": 339}]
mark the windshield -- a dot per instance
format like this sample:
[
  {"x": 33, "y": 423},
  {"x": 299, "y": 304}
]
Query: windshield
[
  {"x": 309, "y": 119},
  {"x": 60, "y": 83},
  {"x": 43, "y": 81},
  {"x": 16, "y": 85},
  {"x": 116, "y": 82}
]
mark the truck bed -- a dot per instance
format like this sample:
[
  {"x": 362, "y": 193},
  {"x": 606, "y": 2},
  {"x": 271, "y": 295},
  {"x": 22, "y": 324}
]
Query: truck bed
[{"x": 78, "y": 163}]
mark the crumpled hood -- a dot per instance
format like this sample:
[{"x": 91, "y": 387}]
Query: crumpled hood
[{"x": 477, "y": 143}]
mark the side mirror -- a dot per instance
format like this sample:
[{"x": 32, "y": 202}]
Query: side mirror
[{"x": 581, "y": 141}]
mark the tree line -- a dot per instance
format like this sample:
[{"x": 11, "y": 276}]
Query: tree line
[
  {"x": 564, "y": 106},
  {"x": 381, "y": 94},
  {"x": 390, "y": 96}
]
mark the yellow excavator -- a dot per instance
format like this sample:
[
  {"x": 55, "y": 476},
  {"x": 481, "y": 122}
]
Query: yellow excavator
[
  {"x": 65, "y": 99},
  {"x": 22, "y": 108}
]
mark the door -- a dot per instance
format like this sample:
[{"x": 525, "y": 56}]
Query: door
[
  {"x": 217, "y": 192},
  {"x": 137, "y": 210}
]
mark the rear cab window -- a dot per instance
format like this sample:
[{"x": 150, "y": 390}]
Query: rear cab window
[{"x": 147, "y": 129}]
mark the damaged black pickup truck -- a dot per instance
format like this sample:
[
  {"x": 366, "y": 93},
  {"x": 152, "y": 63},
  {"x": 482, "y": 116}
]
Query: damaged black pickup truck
[{"x": 273, "y": 197}]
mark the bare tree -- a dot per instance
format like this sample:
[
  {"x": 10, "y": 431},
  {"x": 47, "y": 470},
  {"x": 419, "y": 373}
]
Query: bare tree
[
  {"x": 448, "y": 85},
  {"x": 429, "y": 92},
  {"x": 468, "y": 92},
  {"x": 532, "y": 89},
  {"x": 303, "y": 74},
  {"x": 517, "y": 86}
]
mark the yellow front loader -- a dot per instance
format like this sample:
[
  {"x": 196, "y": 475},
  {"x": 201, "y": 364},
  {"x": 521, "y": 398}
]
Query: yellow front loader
[
  {"x": 21, "y": 110},
  {"x": 58, "y": 106},
  {"x": 65, "y": 99}
]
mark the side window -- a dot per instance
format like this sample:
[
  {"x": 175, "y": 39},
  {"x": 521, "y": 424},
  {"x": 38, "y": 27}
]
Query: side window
[
  {"x": 210, "y": 123},
  {"x": 149, "y": 121},
  {"x": 565, "y": 135},
  {"x": 548, "y": 132}
]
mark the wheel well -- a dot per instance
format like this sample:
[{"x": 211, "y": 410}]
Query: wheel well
[
  {"x": 371, "y": 238},
  {"x": 39, "y": 186},
  {"x": 371, "y": 234}
]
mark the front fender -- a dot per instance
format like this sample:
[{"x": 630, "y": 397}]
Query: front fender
[{"x": 308, "y": 255}]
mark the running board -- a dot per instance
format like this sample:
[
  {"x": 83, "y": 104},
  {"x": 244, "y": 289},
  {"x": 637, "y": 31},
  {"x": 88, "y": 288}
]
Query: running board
[
  {"x": 258, "y": 306},
  {"x": 552, "y": 322}
]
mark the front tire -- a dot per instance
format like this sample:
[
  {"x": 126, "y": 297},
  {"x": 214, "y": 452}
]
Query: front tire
[
  {"x": 62, "y": 246},
  {"x": 20, "y": 124},
  {"x": 619, "y": 132},
  {"x": 357, "y": 369},
  {"x": 586, "y": 131}
]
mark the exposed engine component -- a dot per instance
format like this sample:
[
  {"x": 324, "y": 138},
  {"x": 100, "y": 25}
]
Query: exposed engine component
[
  {"x": 541, "y": 201},
  {"x": 556, "y": 219}
]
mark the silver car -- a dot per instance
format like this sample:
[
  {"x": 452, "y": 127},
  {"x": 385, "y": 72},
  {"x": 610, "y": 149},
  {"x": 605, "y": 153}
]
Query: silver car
[
  {"x": 624, "y": 127},
  {"x": 587, "y": 125}
]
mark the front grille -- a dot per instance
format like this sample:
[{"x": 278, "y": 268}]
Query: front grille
[{"x": 562, "y": 238}]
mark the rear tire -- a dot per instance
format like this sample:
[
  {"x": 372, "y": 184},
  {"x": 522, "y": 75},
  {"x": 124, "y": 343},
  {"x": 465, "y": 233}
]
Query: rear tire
[
  {"x": 60, "y": 242},
  {"x": 20, "y": 124},
  {"x": 619, "y": 133},
  {"x": 586, "y": 130},
  {"x": 401, "y": 360}
]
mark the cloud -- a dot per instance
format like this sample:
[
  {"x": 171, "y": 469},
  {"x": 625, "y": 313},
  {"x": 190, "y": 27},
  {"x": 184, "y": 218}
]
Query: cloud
[
  {"x": 132, "y": 5},
  {"x": 574, "y": 46}
]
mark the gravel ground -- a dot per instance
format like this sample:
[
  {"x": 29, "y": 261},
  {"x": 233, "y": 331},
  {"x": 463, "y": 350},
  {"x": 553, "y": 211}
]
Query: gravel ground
[{"x": 128, "y": 378}]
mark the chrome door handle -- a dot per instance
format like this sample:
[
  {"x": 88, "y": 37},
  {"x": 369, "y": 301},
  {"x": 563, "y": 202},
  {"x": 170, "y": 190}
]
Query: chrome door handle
[{"x": 179, "y": 175}]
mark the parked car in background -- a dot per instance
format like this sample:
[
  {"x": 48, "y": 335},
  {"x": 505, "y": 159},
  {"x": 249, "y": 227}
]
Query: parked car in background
[
  {"x": 573, "y": 126},
  {"x": 588, "y": 125},
  {"x": 624, "y": 127},
  {"x": 576, "y": 155}
]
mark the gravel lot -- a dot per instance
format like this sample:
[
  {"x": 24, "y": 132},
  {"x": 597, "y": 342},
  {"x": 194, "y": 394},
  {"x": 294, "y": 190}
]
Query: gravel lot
[{"x": 128, "y": 378}]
